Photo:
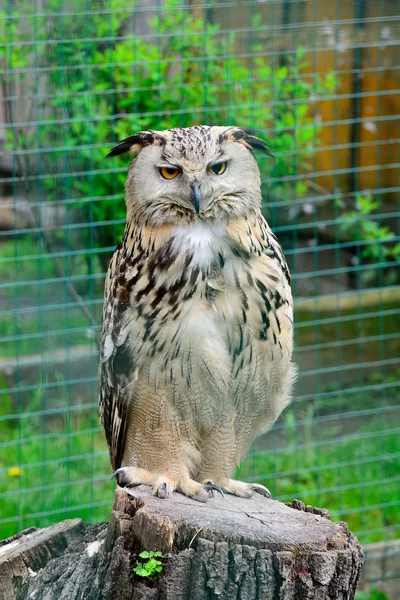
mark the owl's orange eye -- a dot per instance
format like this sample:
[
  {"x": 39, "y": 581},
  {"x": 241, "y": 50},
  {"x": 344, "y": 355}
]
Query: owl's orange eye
[
  {"x": 169, "y": 172},
  {"x": 218, "y": 168}
]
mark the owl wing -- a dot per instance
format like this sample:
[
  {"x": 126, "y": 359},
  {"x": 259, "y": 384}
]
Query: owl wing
[
  {"x": 115, "y": 366},
  {"x": 271, "y": 299},
  {"x": 261, "y": 347},
  {"x": 264, "y": 276}
]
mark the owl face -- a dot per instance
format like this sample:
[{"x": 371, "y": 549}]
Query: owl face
[{"x": 198, "y": 173}]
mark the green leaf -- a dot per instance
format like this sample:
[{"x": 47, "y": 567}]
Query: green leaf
[
  {"x": 141, "y": 571},
  {"x": 152, "y": 564}
]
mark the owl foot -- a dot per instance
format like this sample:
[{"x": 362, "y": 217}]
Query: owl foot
[
  {"x": 210, "y": 487},
  {"x": 244, "y": 490},
  {"x": 163, "y": 486},
  {"x": 133, "y": 476}
]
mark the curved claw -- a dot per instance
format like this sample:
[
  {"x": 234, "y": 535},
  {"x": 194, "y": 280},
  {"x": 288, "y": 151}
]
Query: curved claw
[
  {"x": 209, "y": 486},
  {"x": 261, "y": 489},
  {"x": 120, "y": 470}
]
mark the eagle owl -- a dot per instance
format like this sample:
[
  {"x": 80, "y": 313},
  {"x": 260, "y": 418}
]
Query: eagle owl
[{"x": 197, "y": 322}]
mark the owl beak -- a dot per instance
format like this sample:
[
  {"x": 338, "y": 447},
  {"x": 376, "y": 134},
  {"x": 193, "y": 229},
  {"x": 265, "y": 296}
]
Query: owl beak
[{"x": 196, "y": 197}]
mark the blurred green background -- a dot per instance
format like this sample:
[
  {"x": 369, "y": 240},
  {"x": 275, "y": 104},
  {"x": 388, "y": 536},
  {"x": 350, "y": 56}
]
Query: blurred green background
[{"x": 322, "y": 85}]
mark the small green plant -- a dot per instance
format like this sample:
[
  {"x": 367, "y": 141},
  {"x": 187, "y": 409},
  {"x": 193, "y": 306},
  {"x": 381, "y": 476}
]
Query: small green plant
[{"x": 151, "y": 568}]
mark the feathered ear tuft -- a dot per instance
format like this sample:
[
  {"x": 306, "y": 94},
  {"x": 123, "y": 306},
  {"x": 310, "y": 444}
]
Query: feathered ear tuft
[
  {"x": 249, "y": 138},
  {"x": 136, "y": 142}
]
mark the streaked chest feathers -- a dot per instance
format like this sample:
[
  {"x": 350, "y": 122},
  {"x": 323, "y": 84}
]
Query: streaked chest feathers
[{"x": 198, "y": 304}]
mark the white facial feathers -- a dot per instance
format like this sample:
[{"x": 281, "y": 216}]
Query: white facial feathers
[{"x": 219, "y": 164}]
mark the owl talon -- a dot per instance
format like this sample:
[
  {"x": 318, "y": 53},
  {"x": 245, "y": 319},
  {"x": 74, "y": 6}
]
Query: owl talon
[
  {"x": 120, "y": 470},
  {"x": 261, "y": 489},
  {"x": 244, "y": 490},
  {"x": 210, "y": 487}
]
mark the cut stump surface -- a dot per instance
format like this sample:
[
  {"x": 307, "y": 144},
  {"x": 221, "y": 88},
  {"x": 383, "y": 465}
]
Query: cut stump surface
[{"x": 229, "y": 548}]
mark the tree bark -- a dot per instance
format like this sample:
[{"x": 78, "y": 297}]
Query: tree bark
[{"x": 227, "y": 549}]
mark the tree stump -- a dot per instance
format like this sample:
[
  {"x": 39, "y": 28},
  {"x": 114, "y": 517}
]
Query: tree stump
[{"x": 227, "y": 549}]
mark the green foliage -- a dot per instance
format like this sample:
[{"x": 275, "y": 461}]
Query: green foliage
[
  {"x": 378, "y": 242},
  {"x": 190, "y": 73},
  {"x": 373, "y": 594},
  {"x": 150, "y": 568},
  {"x": 361, "y": 225}
]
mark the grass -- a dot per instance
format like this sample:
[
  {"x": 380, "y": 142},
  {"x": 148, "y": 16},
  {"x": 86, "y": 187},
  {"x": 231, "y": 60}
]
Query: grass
[
  {"x": 37, "y": 310},
  {"x": 355, "y": 476},
  {"x": 52, "y": 468},
  {"x": 57, "y": 467}
]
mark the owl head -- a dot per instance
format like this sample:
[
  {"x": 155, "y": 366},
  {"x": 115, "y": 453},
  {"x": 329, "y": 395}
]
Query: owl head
[{"x": 197, "y": 173}]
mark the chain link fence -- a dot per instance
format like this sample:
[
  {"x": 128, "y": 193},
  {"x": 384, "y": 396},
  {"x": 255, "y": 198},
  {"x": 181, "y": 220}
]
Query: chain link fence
[{"x": 321, "y": 82}]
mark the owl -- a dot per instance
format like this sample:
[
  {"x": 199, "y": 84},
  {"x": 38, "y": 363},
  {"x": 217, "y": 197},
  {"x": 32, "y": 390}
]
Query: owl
[{"x": 197, "y": 323}]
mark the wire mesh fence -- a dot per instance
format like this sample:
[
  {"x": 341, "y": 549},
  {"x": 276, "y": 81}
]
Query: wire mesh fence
[{"x": 322, "y": 84}]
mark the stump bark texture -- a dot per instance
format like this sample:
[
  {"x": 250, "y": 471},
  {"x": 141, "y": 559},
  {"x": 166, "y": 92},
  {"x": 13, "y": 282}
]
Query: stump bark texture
[{"x": 228, "y": 549}]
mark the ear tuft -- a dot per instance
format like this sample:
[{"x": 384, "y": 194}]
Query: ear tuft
[
  {"x": 249, "y": 138},
  {"x": 135, "y": 142}
]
